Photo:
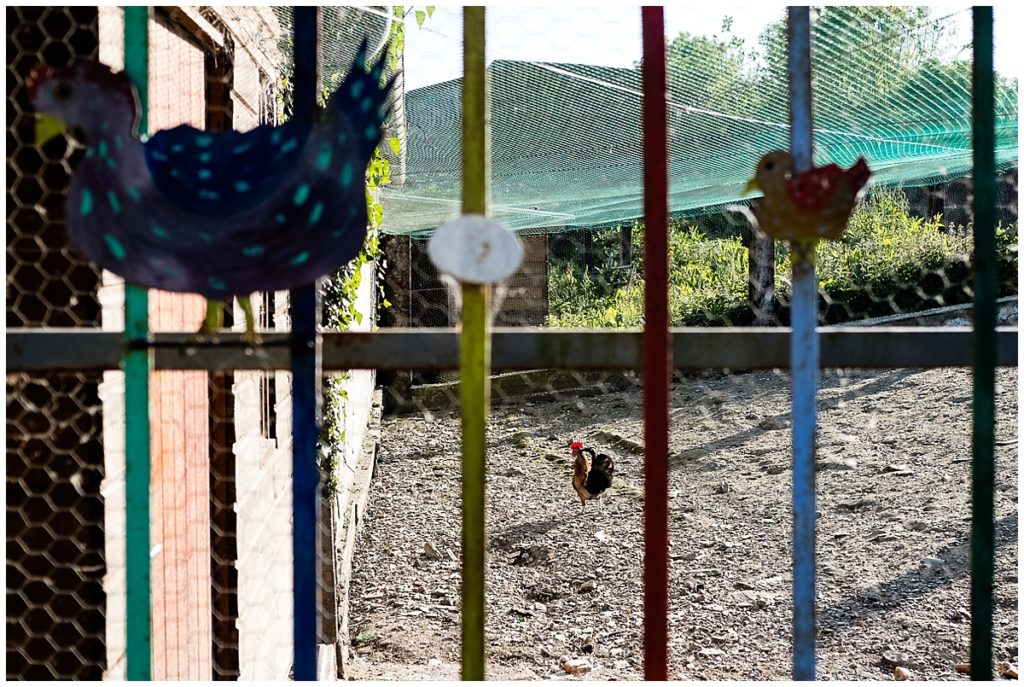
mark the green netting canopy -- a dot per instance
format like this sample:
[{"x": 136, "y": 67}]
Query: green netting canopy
[{"x": 890, "y": 84}]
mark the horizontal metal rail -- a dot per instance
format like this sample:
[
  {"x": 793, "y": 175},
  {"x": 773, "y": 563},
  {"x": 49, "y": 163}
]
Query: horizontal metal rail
[{"x": 735, "y": 348}]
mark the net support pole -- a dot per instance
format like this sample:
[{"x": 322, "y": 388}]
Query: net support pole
[
  {"x": 305, "y": 393},
  {"x": 803, "y": 357},
  {"x": 474, "y": 347},
  {"x": 657, "y": 351},
  {"x": 136, "y": 363},
  {"x": 985, "y": 287}
]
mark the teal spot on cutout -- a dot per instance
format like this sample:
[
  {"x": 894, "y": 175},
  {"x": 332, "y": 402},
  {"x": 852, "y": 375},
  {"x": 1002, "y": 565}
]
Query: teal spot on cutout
[
  {"x": 205, "y": 157},
  {"x": 342, "y": 137},
  {"x": 103, "y": 149},
  {"x": 300, "y": 258},
  {"x": 133, "y": 193},
  {"x": 337, "y": 233},
  {"x": 253, "y": 251},
  {"x": 177, "y": 147},
  {"x": 116, "y": 249},
  {"x": 157, "y": 155},
  {"x": 366, "y": 104},
  {"x": 241, "y": 148},
  {"x": 323, "y": 158},
  {"x": 241, "y": 186},
  {"x": 216, "y": 283},
  {"x": 347, "y": 172},
  {"x": 159, "y": 232},
  {"x": 280, "y": 218},
  {"x": 86, "y": 207},
  {"x": 111, "y": 162},
  {"x": 175, "y": 173},
  {"x": 118, "y": 142},
  {"x": 275, "y": 137},
  {"x": 115, "y": 204},
  {"x": 289, "y": 145},
  {"x": 90, "y": 153},
  {"x": 208, "y": 194},
  {"x": 316, "y": 214},
  {"x": 205, "y": 174},
  {"x": 370, "y": 133},
  {"x": 105, "y": 126},
  {"x": 204, "y": 140},
  {"x": 301, "y": 194},
  {"x": 357, "y": 89},
  {"x": 206, "y": 237}
]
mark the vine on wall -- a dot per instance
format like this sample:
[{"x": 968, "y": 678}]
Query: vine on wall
[{"x": 339, "y": 292}]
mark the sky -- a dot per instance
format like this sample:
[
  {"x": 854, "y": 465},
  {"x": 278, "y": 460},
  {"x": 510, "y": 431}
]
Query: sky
[{"x": 609, "y": 34}]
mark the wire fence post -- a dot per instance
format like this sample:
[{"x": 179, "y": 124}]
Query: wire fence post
[
  {"x": 305, "y": 392},
  {"x": 657, "y": 352},
  {"x": 136, "y": 364},
  {"x": 474, "y": 347},
  {"x": 804, "y": 357},
  {"x": 985, "y": 287}
]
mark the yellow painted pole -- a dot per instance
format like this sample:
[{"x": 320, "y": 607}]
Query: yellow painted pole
[{"x": 475, "y": 350}]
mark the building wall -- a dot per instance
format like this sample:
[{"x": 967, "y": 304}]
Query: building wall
[
  {"x": 179, "y": 427},
  {"x": 178, "y": 414}
]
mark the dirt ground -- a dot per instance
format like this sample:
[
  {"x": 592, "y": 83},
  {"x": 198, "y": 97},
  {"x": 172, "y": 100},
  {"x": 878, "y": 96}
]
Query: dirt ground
[{"x": 893, "y": 500}]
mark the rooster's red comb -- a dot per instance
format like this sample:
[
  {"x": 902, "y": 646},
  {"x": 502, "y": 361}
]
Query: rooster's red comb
[{"x": 576, "y": 445}]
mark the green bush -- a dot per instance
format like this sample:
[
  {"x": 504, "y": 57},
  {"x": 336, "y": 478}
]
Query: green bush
[{"x": 886, "y": 262}]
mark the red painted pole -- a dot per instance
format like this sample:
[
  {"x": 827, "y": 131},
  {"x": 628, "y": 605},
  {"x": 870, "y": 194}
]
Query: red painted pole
[{"x": 657, "y": 352}]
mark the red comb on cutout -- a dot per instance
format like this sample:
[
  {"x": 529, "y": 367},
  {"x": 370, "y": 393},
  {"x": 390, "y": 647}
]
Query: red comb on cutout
[
  {"x": 576, "y": 444},
  {"x": 37, "y": 76}
]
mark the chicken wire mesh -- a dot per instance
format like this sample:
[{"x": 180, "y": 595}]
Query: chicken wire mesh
[
  {"x": 558, "y": 585},
  {"x": 56, "y": 602}
]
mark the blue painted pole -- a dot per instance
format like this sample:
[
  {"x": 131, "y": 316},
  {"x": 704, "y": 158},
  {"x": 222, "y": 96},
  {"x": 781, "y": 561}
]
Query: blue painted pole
[
  {"x": 803, "y": 357},
  {"x": 305, "y": 391}
]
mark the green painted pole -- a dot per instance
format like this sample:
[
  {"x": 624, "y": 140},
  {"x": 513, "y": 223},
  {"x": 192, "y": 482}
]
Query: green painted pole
[
  {"x": 475, "y": 351},
  {"x": 136, "y": 365},
  {"x": 985, "y": 287}
]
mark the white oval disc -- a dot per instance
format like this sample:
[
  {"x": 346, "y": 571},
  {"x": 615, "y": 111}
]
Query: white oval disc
[{"x": 475, "y": 249}]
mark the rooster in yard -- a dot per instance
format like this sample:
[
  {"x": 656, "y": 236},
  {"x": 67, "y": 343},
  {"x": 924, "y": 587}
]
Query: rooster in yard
[{"x": 591, "y": 474}]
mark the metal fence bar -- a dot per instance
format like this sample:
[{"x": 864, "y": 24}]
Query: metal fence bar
[
  {"x": 136, "y": 365},
  {"x": 305, "y": 392},
  {"x": 518, "y": 348},
  {"x": 474, "y": 351},
  {"x": 985, "y": 287},
  {"x": 657, "y": 351},
  {"x": 804, "y": 353}
]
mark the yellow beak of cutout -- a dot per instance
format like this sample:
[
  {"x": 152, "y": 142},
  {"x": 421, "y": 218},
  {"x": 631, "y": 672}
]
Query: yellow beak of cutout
[
  {"x": 48, "y": 127},
  {"x": 751, "y": 186}
]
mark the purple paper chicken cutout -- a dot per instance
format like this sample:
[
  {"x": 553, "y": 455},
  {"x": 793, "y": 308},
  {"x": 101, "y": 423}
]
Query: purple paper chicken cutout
[{"x": 218, "y": 214}]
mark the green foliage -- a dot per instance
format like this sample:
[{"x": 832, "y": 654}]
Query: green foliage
[
  {"x": 885, "y": 256},
  {"x": 340, "y": 291}
]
